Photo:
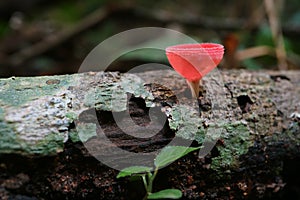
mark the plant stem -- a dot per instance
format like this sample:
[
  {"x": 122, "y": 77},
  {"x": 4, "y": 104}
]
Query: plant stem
[
  {"x": 145, "y": 197},
  {"x": 150, "y": 185},
  {"x": 146, "y": 185},
  {"x": 145, "y": 181}
]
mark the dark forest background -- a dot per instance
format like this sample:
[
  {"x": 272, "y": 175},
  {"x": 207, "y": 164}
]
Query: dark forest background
[{"x": 39, "y": 37}]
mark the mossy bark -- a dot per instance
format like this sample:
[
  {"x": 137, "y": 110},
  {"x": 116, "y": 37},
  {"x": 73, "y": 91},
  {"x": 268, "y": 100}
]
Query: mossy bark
[{"x": 36, "y": 113}]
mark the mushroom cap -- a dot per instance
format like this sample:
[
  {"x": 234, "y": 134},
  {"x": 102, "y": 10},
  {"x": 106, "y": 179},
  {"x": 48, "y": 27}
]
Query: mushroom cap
[{"x": 193, "y": 61}]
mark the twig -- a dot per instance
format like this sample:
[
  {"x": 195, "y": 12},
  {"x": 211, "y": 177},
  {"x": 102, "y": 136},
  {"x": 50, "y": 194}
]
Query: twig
[
  {"x": 254, "y": 52},
  {"x": 276, "y": 33},
  {"x": 55, "y": 39},
  {"x": 199, "y": 21},
  {"x": 215, "y": 23}
]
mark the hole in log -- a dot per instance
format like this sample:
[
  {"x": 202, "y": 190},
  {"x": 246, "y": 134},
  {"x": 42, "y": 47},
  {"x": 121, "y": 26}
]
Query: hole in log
[
  {"x": 139, "y": 114},
  {"x": 244, "y": 102},
  {"x": 138, "y": 111},
  {"x": 277, "y": 78}
]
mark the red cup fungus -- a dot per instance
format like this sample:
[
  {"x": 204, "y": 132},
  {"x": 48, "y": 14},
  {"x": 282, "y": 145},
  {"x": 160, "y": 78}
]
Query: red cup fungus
[{"x": 193, "y": 61}]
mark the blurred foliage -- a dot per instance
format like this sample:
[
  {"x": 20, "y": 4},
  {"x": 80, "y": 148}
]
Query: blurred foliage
[
  {"x": 70, "y": 12},
  {"x": 264, "y": 37},
  {"x": 291, "y": 12},
  {"x": 200, "y": 19},
  {"x": 65, "y": 13},
  {"x": 3, "y": 28}
]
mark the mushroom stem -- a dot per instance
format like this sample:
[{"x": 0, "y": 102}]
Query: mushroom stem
[{"x": 194, "y": 86}]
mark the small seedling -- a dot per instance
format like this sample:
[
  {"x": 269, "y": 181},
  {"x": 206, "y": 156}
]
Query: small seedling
[
  {"x": 193, "y": 61},
  {"x": 167, "y": 155}
]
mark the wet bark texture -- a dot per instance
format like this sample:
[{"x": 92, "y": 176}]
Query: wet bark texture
[
  {"x": 253, "y": 117},
  {"x": 37, "y": 112}
]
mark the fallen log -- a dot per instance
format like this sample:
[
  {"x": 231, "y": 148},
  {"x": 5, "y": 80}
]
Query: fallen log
[{"x": 37, "y": 114}]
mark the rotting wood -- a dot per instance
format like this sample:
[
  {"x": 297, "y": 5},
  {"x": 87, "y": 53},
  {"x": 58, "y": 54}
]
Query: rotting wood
[{"x": 36, "y": 112}]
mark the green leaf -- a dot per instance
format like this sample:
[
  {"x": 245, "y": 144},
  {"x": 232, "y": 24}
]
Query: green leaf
[
  {"x": 171, "y": 153},
  {"x": 133, "y": 170},
  {"x": 166, "y": 194}
]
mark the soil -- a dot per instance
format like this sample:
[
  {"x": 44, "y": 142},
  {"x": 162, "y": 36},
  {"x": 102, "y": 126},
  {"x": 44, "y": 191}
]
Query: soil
[{"x": 76, "y": 174}]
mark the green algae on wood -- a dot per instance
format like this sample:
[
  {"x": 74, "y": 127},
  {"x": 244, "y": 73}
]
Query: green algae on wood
[
  {"x": 112, "y": 96},
  {"x": 33, "y": 114},
  {"x": 236, "y": 141},
  {"x": 31, "y": 120},
  {"x": 262, "y": 118},
  {"x": 36, "y": 112},
  {"x": 236, "y": 136}
]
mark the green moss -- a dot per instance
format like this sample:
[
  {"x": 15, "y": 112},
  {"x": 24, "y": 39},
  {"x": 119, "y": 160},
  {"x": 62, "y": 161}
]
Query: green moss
[
  {"x": 50, "y": 145},
  {"x": 1, "y": 114},
  {"x": 9, "y": 140},
  {"x": 73, "y": 135},
  {"x": 112, "y": 96},
  {"x": 102, "y": 99},
  {"x": 86, "y": 131},
  {"x": 11, "y": 143},
  {"x": 16, "y": 91},
  {"x": 28, "y": 104},
  {"x": 72, "y": 116},
  {"x": 83, "y": 132},
  {"x": 236, "y": 141},
  {"x": 185, "y": 120},
  {"x": 236, "y": 136},
  {"x": 16, "y": 94}
]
